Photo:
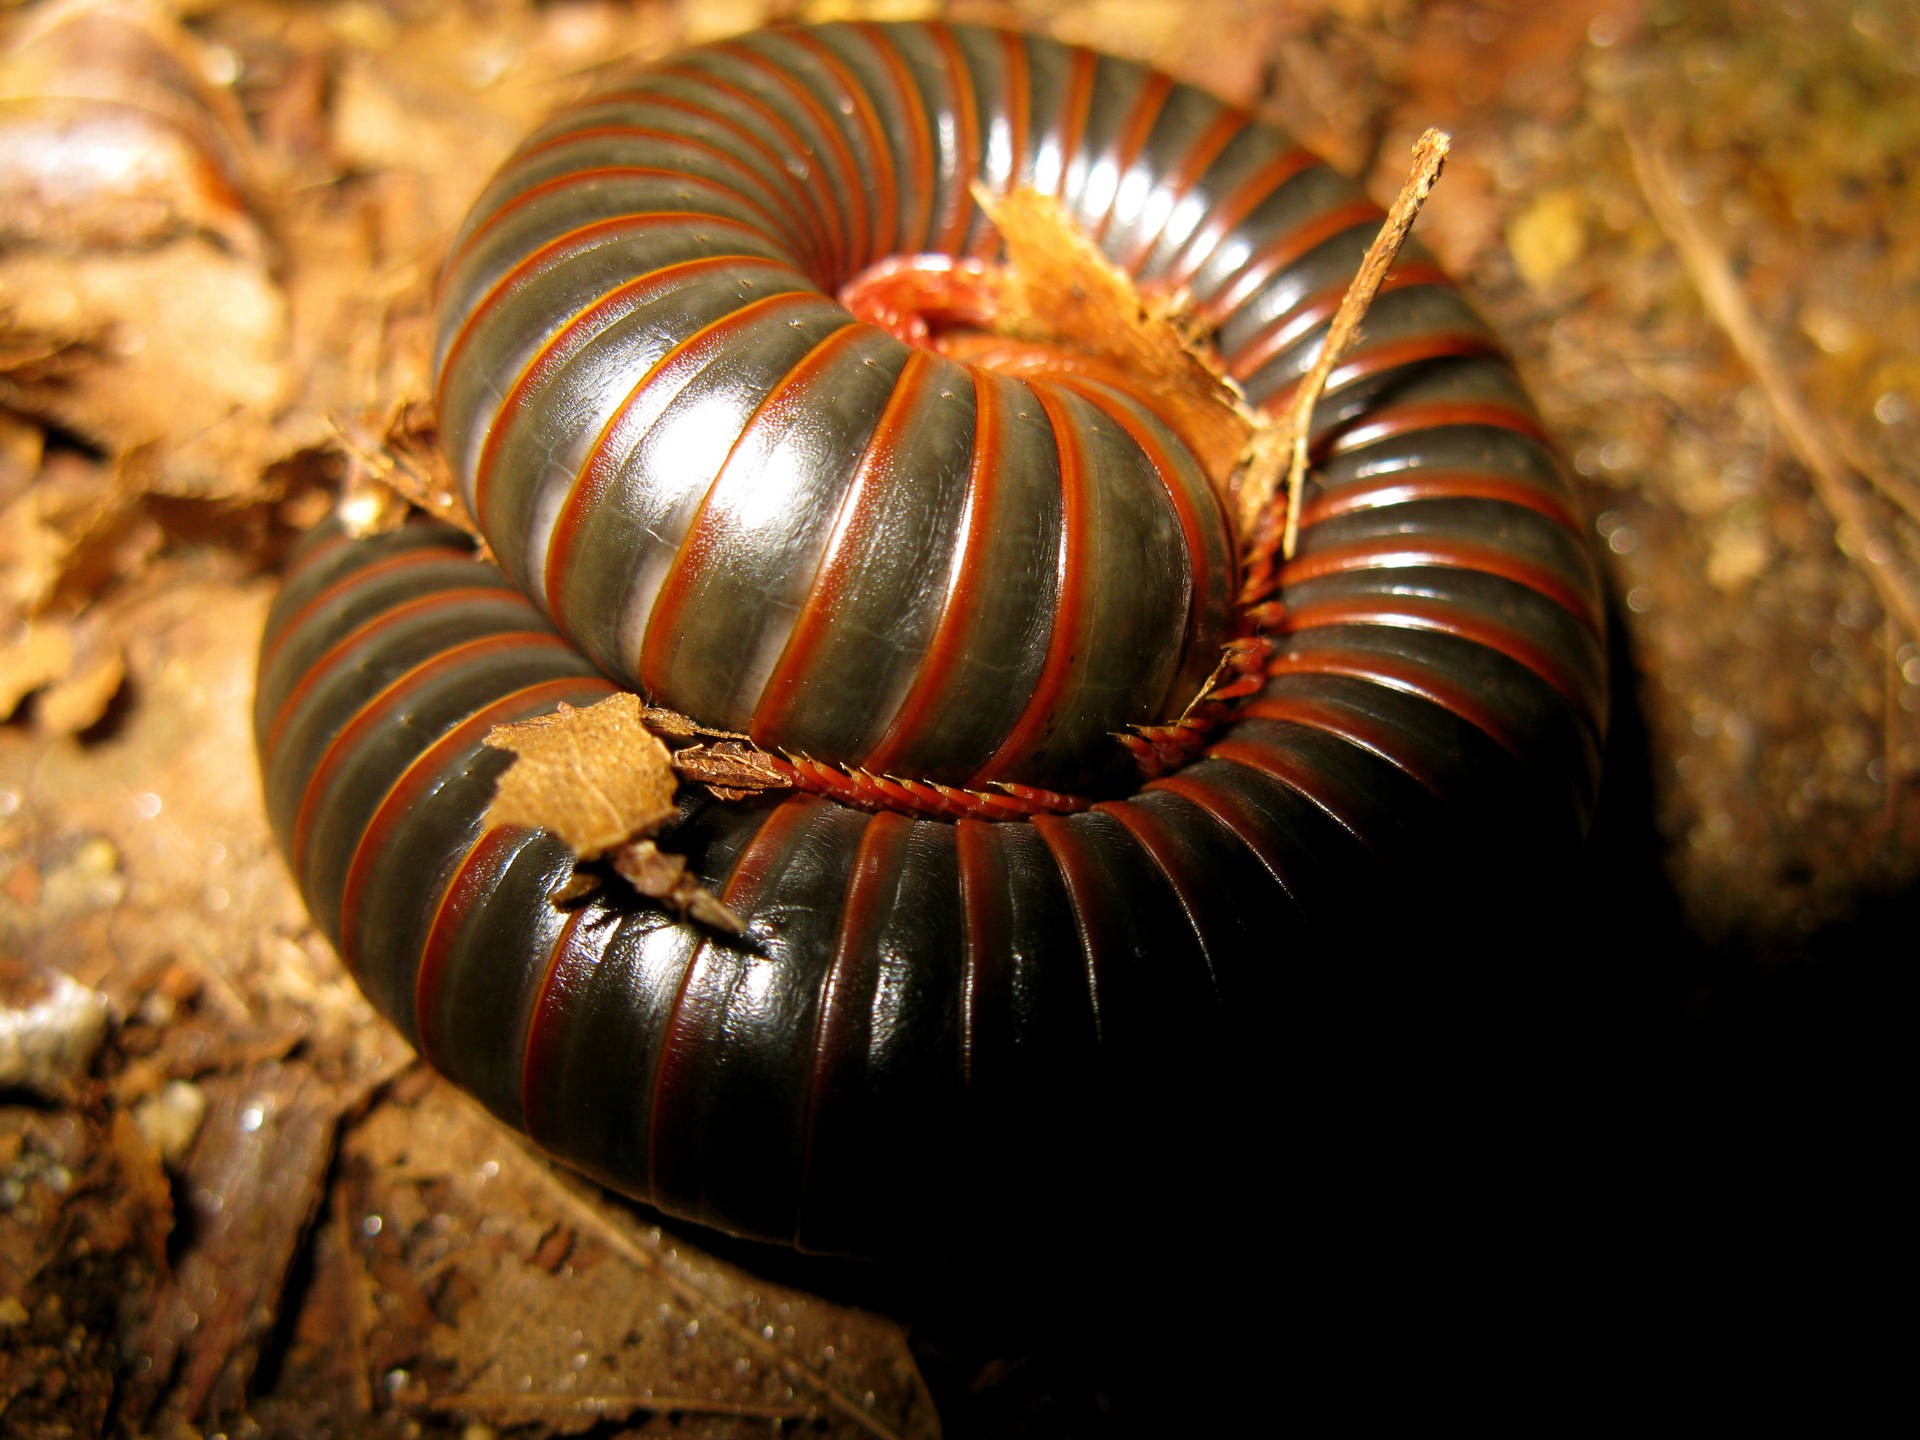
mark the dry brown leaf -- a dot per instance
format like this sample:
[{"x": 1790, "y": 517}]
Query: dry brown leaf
[
  {"x": 732, "y": 768},
  {"x": 78, "y": 521},
  {"x": 116, "y": 136},
  {"x": 595, "y": 777},
  {"x": 22, "y": 447},
  {"x": 137, "y": 307},
  {"x": 1058, "y": 288},
  {"x": 672, "y": 725},
  {"x": 184, "y": 345}
]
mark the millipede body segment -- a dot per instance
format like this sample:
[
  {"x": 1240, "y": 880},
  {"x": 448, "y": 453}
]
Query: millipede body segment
[{"x": 722, "y": 489}]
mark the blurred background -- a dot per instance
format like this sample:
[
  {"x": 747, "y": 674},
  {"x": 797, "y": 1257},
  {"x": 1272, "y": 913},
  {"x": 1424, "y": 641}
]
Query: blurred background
[{"x": 230, "y": 1202}]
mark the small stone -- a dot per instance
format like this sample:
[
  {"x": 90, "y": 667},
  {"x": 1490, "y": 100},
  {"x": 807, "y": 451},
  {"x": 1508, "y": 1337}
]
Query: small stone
[
  {"x": 170, "y": 1120},
  {"x": 50, "y": 1029}
]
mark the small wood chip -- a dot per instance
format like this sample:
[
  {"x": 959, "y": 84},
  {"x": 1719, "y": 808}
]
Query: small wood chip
[{"x": 663, "y": 876}]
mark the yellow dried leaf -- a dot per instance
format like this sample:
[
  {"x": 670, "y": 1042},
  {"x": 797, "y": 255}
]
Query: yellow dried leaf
[
  {"x": 597, "y": 778},
  {"x": 1059, "y": 288}
]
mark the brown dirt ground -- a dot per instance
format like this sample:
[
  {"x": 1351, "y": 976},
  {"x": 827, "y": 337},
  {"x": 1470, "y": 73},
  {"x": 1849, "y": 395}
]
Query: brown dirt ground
[{"x": 250, "y": 1212}]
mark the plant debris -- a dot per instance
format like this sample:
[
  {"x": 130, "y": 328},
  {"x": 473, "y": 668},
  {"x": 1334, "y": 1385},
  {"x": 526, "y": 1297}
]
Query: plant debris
[
  {"x": 248, "y": 1204},
  {"x": 596, "y": 777},
  {"x": 603, "y": 782}
]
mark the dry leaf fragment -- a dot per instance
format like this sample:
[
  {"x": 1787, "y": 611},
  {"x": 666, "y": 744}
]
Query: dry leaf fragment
[
  {"x": 603, "y": 782},
  {"x": 1058, "y": 288},
  {"x": 595, "y": 777},
  {"x": 732, "y": 769},
  {"x": 395, "y": 464},
  {"x": 663, "y": 876},
  {"x": 672, "y": 725},
  {"x": 1286, "y": 435}
]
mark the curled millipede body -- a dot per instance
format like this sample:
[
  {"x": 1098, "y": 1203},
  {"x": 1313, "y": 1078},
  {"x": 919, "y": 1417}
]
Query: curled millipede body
[{"x": 727, "y": 492}]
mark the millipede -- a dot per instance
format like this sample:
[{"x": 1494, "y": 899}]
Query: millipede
[{"x": 703, "y": 476}]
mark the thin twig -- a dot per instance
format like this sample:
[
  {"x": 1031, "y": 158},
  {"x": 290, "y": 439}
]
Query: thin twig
[
  {"x": 1860, "y": 534},
  {"x": 1429, "y": 155}
]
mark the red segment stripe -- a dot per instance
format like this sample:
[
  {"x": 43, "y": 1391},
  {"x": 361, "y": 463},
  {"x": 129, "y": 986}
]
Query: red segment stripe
[
  {"x": 1285, "y": 250},
  {"x": 1406, "y": 676},
  {"x": 680, "y": 1035},
  {"x": 706, "y": 540},
  {"x": 624, "y": 429},
  {"x": 430, "y": 767},
  {"x": 959, "y": 217},
  {"x": 1234, "y": 813},
  {"x": 576, "y": 178},
  {"x": 1179, "y": 178},
  {"x": 922, "y": 159},
  {"x": 1413, "y": 613},
  {"x": 1132, "y": 137},
  {"x": 826, "y": 212},
  {"x": 570, "y": 967},
  {"x": 472, "y": 882},
  {"x": 1304, "y": 780},
  {"x": 1155, "y": 837},
  {"x": 1016, "y": 106},
  {"x": 1070, "y": 601},
  {"x": 534, "y": 268},
  {"x": 983, "y": 944},
  {"x": 1394, "y": 552},
  {"x": 951, "y": 633},
  {"x": 849, "y": 182},
  {"x": 1074, "y": 105},
  {"x": 1400, "y": 487},
  {"x": 1372, "y": 360},
  {"x": 1397, "y": 420},
  {"x": 407, "y": 560},
  {"x": 797, "y": 193},
  {"x": 769, "y": 199},
  {"x": 1210, "y": 587},
  {"x": 1287, "y": 330},
  {"x": 882, "y": 180},
  {"x": 1096, "y": 923},
  {"x": 377, "y": 712},
  {"x": 582, "y": 330},
  {"x": 861, "y": 510},
  {"x": 1354, "y": 728},
  {"x": 1230, "y": 210},
  {"x": 324, "y": 667},
  {"x": 870, "y": 889}
]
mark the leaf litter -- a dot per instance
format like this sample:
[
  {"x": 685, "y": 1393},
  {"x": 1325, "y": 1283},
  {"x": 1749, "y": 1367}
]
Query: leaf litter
[{"x": 191, "y": 368}]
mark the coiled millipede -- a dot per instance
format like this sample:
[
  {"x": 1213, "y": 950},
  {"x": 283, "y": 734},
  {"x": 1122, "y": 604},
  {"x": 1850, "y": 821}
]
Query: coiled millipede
[{"x": 776, "y": 519}]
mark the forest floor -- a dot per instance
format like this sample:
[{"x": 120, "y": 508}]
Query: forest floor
[{"x": 232, "y": 1201}]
